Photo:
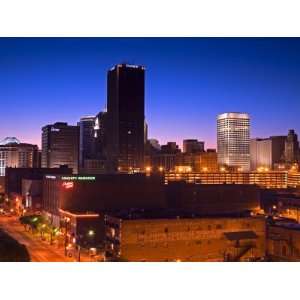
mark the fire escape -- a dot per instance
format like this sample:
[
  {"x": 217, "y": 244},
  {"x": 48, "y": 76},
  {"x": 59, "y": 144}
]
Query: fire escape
[{"x": 241, "y": 243}]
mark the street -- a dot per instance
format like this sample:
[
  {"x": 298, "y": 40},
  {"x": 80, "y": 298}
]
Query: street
[{"x": 40, "y": 251}]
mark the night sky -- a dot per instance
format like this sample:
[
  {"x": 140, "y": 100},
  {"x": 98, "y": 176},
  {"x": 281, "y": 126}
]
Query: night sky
[{"x": 188, "y": 82}]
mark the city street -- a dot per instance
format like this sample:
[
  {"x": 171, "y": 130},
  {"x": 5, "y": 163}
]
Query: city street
[{"x": 40, "y": 251}]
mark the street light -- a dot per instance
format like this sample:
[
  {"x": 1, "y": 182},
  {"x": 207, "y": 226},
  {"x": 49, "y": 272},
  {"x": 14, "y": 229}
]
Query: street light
[
  {"x": 67, "y": 220},
  {"x": 92, "y": 252},
  {"x": 91, "y": 232}
]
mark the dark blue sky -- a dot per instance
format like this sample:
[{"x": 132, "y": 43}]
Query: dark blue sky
[{"x": 188, "y": 82}]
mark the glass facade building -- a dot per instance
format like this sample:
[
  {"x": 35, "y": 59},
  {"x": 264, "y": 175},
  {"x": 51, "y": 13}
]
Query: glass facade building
[
  {"x": 86, "y": 139},
  {"x": 60, "y": 146},
  {"x": 126, "y": 117},
  {"x": 233, "y": 138}
]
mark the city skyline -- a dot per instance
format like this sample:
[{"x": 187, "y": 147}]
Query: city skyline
[{"x": 73, "y": 72}]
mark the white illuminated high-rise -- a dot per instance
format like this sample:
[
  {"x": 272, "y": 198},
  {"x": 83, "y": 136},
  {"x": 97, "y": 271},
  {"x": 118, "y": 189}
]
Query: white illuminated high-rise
[{"x": 233, "y": 134}]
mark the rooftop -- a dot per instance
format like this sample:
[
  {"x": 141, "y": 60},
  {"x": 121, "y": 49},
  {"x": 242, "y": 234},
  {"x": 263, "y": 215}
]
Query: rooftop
[
  {"x": 9, "y": 140},
  {"x": 140, "y": 214},
  {"x": 288, "y": 225},
  {"x": 238, "y": 115}
]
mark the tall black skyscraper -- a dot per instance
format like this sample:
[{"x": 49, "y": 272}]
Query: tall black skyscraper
[{"x": 126, "y": 117}]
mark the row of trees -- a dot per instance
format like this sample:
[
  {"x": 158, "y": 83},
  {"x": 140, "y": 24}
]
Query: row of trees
[{"x": 38, "y": 223}]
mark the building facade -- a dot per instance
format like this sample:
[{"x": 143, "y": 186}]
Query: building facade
[
  {"x": 193, "y": 146},
  {"x": 291, "y": 147},
  {"x": 184, "y": 239},
  {"x": 101, "y": 135},
  {"x": 265, "y": 179},
  {"x": 86, "y": 139},
  {"x": 101, "y": 193},
  {"x": 15, "y": 176},
  {"x": 213, "y": 199},
  {"x": 14, "y": 154},
  {"x": 233, "y": 139},
  {"x": 283, "y": 242},
  {"x": 126, "y": 118},
  {"x": 60, "y": 146},
  {"x": 266, "y": 153}
]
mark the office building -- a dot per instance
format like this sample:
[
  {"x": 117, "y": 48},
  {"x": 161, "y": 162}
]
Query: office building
[
  {"x": 192, "y": 146},
  {"x": 145, "y": 132},
  {"x": 94, "y": 166},
  {"x": 15, "y": 154},
  {"x": 233, "y": 139},
  {"x": 208, "y": 162},
  {"x": 266, "y": 153},
  {"x": 126, "y": 118},
  {"x": 100, "y": 134},
  {"x": 278, "y": 147},
  {"x": 291, "y": 147},
  {"x": 86, "y": 139},
  {"x": 154, "y": 143},
  {"x": 261, "y": 154},
  {"x": 163, "y": 161},
  {"x": 60, "y": 146},
  {"x": 197, "y": 161},
  {"x": 170, "y": 148}
]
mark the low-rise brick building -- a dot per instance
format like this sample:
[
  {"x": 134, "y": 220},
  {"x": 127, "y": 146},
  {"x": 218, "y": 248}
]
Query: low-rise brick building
[
  {"x": 134, "y": 237},
  {"x": 283, "y": 242}
]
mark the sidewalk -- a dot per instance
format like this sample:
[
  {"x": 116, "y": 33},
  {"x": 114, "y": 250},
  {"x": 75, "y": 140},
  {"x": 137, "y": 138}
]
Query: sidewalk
[{"x": 40, "y": 250}]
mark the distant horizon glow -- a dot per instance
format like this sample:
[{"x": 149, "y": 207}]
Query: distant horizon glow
[{"x": 189, "y": 81}]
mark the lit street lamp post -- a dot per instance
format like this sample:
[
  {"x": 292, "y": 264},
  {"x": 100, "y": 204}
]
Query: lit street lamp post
[{"x": 66, "y": 235}]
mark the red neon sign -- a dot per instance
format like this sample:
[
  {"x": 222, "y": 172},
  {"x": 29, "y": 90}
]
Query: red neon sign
[{"x": 68, "y": 184}]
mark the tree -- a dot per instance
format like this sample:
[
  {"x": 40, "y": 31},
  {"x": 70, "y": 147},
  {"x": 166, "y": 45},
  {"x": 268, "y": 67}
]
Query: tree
[
  {"x": 11, "y": 250},
  {"x": 33, "y": 221}
]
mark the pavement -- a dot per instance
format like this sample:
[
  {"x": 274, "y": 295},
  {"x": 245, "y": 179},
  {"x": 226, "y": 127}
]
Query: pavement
[{"x": 40, "y": 251}]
